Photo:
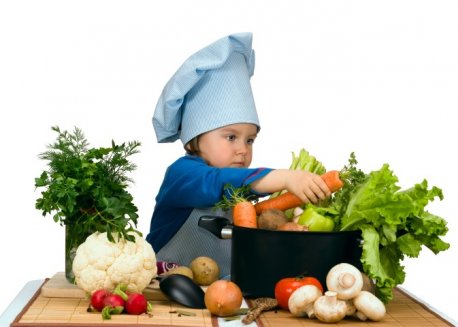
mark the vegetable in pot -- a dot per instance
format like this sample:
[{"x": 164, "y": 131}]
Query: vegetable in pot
[
  {"x": 239, "y": 200},
  {"x": 271, "y": 219},
  {"x": 292, "y": 226},
  {"x": 288, "y": 200},
  {"x": 314, "y": 221}
]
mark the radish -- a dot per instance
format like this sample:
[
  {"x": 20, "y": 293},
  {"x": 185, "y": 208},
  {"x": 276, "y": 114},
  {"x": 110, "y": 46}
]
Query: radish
[
  {"x": 113, "y": 304},
  {"x": 136, "y": 304},
  {"x": 97, "y": 299}
]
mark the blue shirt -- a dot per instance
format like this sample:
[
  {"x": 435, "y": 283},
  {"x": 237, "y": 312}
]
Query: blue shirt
[{"x": 191, "y": 183}]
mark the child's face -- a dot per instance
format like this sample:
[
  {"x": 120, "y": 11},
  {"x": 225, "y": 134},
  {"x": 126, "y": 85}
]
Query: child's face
[{"x": 228, "y": 146}]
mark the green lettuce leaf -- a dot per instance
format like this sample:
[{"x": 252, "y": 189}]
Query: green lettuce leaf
[{"x": 394, "y": 224}]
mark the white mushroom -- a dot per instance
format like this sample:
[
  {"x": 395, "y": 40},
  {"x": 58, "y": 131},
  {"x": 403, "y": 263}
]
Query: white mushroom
[
  {"x": 328, "y": 308},
  {"x": 351, "y": 309},
  {"x": 344, "y": 279},
  {"x": 369, "y": 306},
  {"x": 301, "y": 301}
]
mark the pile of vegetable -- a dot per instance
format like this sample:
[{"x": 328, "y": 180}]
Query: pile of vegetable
[
  {"x": 394, "y": 222},
  {"x": 118, "y": 301},
  {"x": 347, "y": 295}
]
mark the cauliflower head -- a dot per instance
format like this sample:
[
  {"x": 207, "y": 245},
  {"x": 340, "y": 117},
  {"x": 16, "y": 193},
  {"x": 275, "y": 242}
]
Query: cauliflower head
[{"x": 100, "y": 263}]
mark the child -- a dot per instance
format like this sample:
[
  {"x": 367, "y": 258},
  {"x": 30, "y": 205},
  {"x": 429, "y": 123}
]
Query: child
[{"x": 209, "y": 105}]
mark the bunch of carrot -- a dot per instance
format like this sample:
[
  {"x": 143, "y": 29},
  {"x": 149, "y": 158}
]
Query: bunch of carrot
[{"x": 245, "y": 213}]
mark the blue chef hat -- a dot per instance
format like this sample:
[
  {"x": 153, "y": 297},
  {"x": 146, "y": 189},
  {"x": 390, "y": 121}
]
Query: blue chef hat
[{"x": 210, "y": 90}]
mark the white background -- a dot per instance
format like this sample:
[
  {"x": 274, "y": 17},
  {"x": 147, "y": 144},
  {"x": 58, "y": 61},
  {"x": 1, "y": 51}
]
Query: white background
[{"x": 377, "y": 78}]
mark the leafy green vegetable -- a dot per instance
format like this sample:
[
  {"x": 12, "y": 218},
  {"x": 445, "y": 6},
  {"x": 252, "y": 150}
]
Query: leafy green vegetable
[
  {"x": 394, "y": 224},
  {"x": 303, "y": 161},
  {"x": 85, "y": 188}
]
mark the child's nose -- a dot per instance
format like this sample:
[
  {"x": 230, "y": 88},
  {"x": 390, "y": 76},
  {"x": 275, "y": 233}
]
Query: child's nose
[{"x": 242, "y": 148}]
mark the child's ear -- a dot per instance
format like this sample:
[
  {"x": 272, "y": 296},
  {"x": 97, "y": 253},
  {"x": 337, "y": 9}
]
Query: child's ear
[{"x": 192, "y": 147}]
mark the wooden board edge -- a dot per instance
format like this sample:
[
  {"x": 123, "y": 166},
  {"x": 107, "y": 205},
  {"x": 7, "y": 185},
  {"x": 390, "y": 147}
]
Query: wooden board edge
[
  {"x": 15, "y": 322},
  {"x": 424, "y": 306}
]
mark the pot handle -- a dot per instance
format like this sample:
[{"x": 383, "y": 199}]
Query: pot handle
[{"x": 219, "y": 226}]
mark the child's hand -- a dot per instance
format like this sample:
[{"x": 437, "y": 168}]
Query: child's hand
[
  {"x": 309, "y": 187},
  {"x": 305, "y": 185}
]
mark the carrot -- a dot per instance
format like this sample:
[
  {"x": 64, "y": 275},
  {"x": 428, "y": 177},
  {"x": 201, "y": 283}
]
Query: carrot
[
  {"x": 282, "y": 202},
  {"x": 332, "y": 180},
  {"x": 288, "y": 200},
  {"x": 244, "y": 215},
  {"x": 239, "y": 200}
]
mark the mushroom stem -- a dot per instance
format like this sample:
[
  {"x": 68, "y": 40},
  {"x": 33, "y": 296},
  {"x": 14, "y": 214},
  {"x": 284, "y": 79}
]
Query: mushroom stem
[
  {"x": 369, "y": 306},
  {"x": 361, "y": 316},
  {"x": 328, "y": 308},
  {"x": 301, "y": 301},
  {"x": 331, "y": 298},
  {"x": 347, "y": 280}
]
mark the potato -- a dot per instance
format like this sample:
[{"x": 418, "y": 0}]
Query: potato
[
  {"x": 271, "y": 219},
  {"x": 181, "y": 270},
  {"x": 205, "y": 270}
]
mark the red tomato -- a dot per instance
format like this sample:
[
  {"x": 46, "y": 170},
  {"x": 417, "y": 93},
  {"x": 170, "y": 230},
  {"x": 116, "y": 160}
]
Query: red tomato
[{"x": 286, "y": 286}]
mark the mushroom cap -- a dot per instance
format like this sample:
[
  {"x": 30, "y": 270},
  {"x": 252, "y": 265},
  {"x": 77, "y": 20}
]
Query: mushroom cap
[
  {"x": 370, "y": 305},
  {"x": 301, "y": 301},
  {"x": 344, "y": 279}
]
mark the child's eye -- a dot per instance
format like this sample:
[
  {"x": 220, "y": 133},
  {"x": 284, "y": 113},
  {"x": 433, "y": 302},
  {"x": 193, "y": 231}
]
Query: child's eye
[
  {"x": 230, "y": 137},
  {"x": 250, "y": 141}
]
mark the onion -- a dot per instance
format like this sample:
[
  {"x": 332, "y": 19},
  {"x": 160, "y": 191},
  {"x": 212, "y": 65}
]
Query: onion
[{"x": 223, "y": 298}]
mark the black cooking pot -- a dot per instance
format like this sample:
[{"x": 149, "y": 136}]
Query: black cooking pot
[{"x": 260, "y": 258}]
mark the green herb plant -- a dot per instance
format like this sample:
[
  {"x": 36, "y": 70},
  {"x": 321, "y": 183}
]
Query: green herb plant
[{"x": 85, "y": 188}]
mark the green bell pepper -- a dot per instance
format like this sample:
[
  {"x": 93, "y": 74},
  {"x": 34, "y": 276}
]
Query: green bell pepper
[{"x": 315, "y": 221}]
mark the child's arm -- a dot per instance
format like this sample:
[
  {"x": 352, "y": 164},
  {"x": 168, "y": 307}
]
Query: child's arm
[{"x": 307, "y": 186}]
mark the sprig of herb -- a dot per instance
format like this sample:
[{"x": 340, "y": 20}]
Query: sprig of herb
[
  {"x": 232, "y": 195},
  {"x": 86, "y": 188}
]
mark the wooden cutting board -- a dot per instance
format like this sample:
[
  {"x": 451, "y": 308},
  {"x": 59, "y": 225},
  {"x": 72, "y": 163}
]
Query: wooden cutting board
[
  {"x": 59, "y": 287},
  {"x": 43, "y": 311}
]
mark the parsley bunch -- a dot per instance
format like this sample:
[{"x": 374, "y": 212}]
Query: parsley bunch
[{"x": 85, "y": 188}]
